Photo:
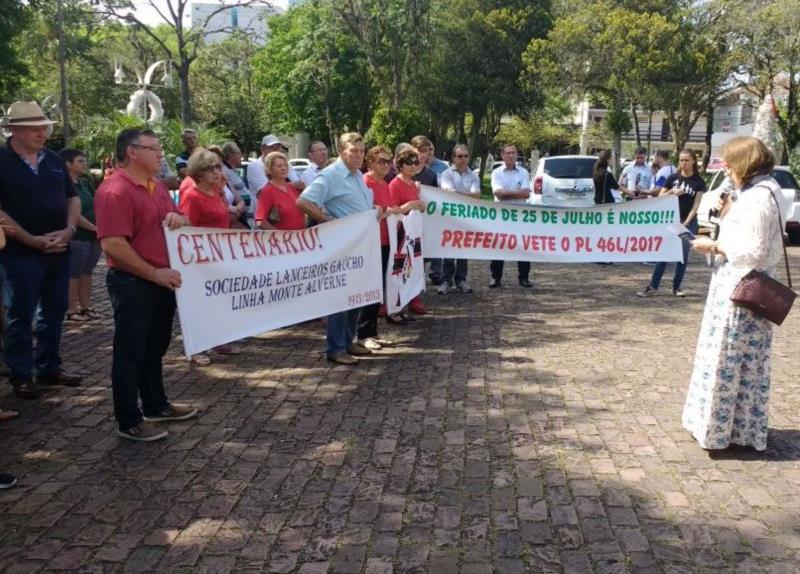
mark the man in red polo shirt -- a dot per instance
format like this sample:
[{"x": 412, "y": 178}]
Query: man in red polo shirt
[{"x": 131, "y": 207}]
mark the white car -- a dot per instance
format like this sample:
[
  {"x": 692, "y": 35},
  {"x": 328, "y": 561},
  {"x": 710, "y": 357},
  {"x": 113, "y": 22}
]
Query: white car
[
  {"x": 790, "y": 200},
  {"x": 300, "y": 165},
  {"x": 564, "y": 180}
]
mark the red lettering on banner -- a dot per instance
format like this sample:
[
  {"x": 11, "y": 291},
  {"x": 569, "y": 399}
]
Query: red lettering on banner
[
  {"x": 229, "y": 236},
  {"x": 181, "y": 238},
  {"x": 199, "y": 252},
  {"x": 214, "y": 247},
  {"x": 447, "y": 235},
  {"x": 258, "y": 243},
  {"x": 244, "y": 243},
  {"x": 273, "y": 245},
  {"x": 458, "y": 236}
]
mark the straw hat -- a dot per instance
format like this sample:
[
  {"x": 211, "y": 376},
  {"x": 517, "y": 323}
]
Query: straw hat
[{"x": 25, "y": 114}]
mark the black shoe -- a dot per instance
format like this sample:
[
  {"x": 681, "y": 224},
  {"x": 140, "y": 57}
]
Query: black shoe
[
  {"x": 172, "y": 413},
  {"x": 7, "y": 480},
  {"x": 60, "y": 379},
  {"x": 525, "y": 283},
  {"x": 25, "y": 387},
  {"x": 494, "y": 283}
]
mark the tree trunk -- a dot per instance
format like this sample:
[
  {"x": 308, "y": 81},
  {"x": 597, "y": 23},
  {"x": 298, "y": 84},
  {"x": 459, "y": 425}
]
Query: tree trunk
[
  {"x": 186, "y": 97},
  {"x": 62, "y": 72},
  {"x": 649, "y": 129},
  {"x": 460, "y": 133},
  {"x": 617, "y": 149},
  {"x": 709, "y": 133},
  {"x": 474, "y": 140},
  {"x": 637, "y": 134}
]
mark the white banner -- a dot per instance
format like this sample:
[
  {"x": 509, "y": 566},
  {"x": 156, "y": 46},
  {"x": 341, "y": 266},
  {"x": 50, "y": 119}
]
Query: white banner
[
  {"x": 242, "y": 283},
  {"x": 456, "y": 226},
  {"x": 405, "y": 273}
]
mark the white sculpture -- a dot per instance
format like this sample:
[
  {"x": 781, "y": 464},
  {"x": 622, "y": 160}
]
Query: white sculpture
[{"x": 142, "y": 99}]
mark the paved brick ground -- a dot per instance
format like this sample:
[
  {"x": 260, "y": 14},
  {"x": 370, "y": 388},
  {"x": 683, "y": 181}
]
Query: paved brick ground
[{"x": 509, "y": 432}]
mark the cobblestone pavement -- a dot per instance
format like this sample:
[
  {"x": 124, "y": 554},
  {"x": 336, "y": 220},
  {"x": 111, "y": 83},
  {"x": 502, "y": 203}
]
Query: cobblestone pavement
[{"x": 509, "y": 432}]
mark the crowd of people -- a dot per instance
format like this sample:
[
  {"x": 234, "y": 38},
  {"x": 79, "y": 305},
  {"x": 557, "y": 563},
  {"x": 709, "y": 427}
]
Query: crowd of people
[{"x": 57, "y": 225}]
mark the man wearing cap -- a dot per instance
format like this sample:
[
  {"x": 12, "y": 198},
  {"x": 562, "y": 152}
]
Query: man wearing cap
[
  {"x": 39, "y": 203},
  {"x": 257, "y": 177}
]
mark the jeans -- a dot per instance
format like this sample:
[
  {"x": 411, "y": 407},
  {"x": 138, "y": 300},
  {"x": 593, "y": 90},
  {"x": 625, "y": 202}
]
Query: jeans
[
  {"x": 341, "y": 330},
  {"x": 435, "y": 271},
  {"x": 454, "y": 270},
  {"x": 680, "y": 268},
  {"x": 35, "y": 280},
  {"x": 523, "y": 268},
  {"x": 143, "y": 313}
]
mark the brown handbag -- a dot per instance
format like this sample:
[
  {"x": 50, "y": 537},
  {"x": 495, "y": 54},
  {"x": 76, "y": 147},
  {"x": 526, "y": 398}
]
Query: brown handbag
[{"x": 764, "y": 295}]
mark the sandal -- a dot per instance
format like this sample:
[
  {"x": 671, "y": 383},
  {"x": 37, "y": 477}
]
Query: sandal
[
  {"x": 8, "y": 415},
  {"x": 396, "y": 319},
  {"x": 225, "y": 350},
  {"x": 90, "y": 313},
  {"x": 76, "y": 317},
  {"x": 202, "y": 359}
]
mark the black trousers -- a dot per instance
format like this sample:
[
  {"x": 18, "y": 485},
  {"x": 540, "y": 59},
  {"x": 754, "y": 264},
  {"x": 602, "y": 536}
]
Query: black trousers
[
  {"x": 368, "y": 323},
  {"x": 143, "y": 314},
  {"x": 523, "y": 268}
]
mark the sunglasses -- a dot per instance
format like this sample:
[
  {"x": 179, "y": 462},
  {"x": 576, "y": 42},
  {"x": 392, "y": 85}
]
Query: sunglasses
[{"x": 411, "y": 161}]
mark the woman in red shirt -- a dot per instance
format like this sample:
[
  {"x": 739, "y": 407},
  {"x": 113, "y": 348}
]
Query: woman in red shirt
[
  {"x": 277, "y": 201},
  {"x": 203, "y": 202},
  {"x": 404, "y": 193},
  {"x": 378, "y": 160}
]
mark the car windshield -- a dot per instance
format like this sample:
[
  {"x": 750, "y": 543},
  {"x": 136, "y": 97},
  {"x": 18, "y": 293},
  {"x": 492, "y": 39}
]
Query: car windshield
[
  {"x": 785, "y": 179},
  {"x": 569, "y": 167}
]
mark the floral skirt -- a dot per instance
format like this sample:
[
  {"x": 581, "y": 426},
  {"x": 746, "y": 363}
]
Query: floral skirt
[{"x": 729, "y": 388}]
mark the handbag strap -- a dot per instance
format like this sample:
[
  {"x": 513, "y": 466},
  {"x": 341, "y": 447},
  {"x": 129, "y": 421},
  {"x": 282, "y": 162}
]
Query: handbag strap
[{"x": 783, "y": 243}]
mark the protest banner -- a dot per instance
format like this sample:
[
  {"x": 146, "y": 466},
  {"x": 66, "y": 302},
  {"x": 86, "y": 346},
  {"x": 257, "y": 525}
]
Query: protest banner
[
  {"x": 456, "y": 226},
  {"x": 242, "y": 283},
  {"x": 405, "y": 274}
]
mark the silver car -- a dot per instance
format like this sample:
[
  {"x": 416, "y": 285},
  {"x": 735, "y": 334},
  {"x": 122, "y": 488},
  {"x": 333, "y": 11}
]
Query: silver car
[{"x": 564, "y": 180}]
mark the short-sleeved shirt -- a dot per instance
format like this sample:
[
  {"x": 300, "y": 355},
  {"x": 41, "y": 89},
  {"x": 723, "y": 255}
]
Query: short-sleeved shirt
[
  {"x": 205, "y": 210},
  {"x": 291, "y": 216},
  {"x": 427, "y": 177},
  {"x": 510, "y": 180},
  {"x": 310, "y": 173},
  {"x": 126, "y": 208},
  {"x": 635, "y": 177},
  {"x": 235, "y": 181},
  {"x": 402, "y": 192},
  {"x": 182, "y": 160},
  {"x": 339, "y": 192},
  {"x": 38, "y": 200},
  {"x": 467, "y": 182},
  {"x": 438, "y": 166},
  {"x": 86, "y": 193},
  {"x": 662, "y": 174},
  {"x": 382, "y": 197},
  {"x": 689, "y": 187}
]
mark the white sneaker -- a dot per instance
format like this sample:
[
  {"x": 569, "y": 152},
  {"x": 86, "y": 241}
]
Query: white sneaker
[
  {"x": 443, "y": 288},
  {"x": 371, "y": 344},
  {"x": 464, "y": 287}
]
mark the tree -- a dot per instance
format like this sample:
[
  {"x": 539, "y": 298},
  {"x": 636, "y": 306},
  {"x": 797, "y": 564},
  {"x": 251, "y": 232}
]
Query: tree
[
  {"x": 392, "y": 33},
  {"x": 13, "y": 19},
  {"x": 312, "y": 74},
  {"x": 226, "y": 94},
  {"x": 765, "y": 42},
  {"x": 187, "y": 41}
]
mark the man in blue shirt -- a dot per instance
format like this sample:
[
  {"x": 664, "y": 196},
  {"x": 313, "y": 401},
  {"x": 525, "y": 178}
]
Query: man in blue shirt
[
  {"x": 338, "y": 191},
  {"x": 38, "y": 202}
]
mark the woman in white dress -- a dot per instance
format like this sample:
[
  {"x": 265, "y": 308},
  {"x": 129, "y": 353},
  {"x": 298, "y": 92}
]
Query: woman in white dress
[{"x": 729, "y": 388}]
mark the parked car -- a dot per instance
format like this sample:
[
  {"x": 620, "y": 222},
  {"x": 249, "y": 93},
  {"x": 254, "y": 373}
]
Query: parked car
[
  {"x": 299, "y": 165},
  {"x": 564, "y": 180},
  {"x": 715, "y": 164},
  {"x": 789, "y": 200}
]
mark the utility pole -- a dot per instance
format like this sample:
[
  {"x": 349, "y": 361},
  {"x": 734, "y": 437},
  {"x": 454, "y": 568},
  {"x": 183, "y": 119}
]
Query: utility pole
[{"x": 62, "y": 57}]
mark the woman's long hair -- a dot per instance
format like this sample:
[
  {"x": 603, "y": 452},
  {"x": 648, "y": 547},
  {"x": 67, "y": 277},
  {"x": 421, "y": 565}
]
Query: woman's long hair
[{"x": 601, "y": 165}]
